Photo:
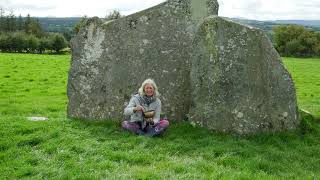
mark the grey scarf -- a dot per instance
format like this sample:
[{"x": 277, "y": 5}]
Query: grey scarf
[{"x": 147, "y": 100}]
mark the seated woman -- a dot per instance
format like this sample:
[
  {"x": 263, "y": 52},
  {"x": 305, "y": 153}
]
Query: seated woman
[{"x": 144, "y": 110}]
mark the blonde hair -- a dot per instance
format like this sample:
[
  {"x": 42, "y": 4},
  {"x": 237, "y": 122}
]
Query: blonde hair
[{"x": 149, "y": 81}]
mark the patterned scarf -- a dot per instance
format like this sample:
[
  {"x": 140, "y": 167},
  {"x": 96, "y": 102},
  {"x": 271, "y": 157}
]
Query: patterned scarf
[{"x": 148, "y": 100}]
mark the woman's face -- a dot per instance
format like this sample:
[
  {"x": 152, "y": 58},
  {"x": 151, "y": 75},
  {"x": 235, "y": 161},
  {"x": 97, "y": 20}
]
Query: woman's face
[{"x": 148, "y": 90}]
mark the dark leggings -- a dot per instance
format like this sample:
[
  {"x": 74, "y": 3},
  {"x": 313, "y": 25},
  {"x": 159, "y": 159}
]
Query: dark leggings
[{"x": 155, "y": 130}]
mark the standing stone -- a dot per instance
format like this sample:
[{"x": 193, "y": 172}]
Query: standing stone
[
  {"x": 111, "y": 60},
  {"x": 239, "y": 83},
  {"x": 219, "y": 74}
]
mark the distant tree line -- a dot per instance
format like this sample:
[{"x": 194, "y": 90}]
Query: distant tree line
[
  {"x": 295, "y": 40},
  {"x": 23, "y": 42},
  {"x": 24, "y": 34}
]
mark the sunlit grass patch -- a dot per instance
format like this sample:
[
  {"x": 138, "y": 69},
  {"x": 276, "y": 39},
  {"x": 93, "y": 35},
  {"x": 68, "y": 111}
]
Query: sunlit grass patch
[{"x": 305, "y": 73}]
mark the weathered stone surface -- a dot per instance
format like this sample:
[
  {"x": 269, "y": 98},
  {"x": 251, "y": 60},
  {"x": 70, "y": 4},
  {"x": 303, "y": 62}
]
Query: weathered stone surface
[
  {"x": 222, "y": 75},
  {"x": 110, "y": 61},
  {"x": 238, "y": 81}
]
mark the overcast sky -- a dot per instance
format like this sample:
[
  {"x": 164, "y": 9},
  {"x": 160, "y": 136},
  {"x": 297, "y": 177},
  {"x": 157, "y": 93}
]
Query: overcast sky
[{"x": 250, "y": 9}]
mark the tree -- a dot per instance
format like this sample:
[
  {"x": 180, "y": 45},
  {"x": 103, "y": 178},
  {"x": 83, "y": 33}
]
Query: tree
[
  {"x": 4, "y": 42},
  {"x": 12, "y": 24},
  {"x": 80, "y": 25},
  {"x": 113, "y": 15},
  {"x": 2, "y": 20},
  {"x": 58, "y": 42},
  {"x": 18, "y": 41},
  {"x": 68, "y": 35},
  {"x": 293, "y": 47},
  {"x": 294, "y": 40},
  {"x": 318, "y": 44},
  {"x": 308, "y": 40},
  {"x": 285, "y": 34},
  {"x": 32, "y": 26},
  {"x": 32, "y": 43},
  {"x": 20, "y": 23},
  {"x": 44, "y": 44},
  {"x": 27, "y": 24}
]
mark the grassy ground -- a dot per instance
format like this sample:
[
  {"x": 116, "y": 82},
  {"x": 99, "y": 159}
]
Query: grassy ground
[
  {"x": 306, "y": 74},
  {"x": 35, "y": 85}
]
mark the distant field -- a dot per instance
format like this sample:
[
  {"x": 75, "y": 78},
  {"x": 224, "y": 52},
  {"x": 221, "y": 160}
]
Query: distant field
[
  {"x": 60, "y": 148},
  {"x": 306, "y": 75}
]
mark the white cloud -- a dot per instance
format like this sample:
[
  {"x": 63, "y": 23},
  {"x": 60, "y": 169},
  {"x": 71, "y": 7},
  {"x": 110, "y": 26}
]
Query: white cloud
[
  {"x": 66, "y": 8},
  {"x": 271, "y": 9},
  {"x": 252, "y": 9}
]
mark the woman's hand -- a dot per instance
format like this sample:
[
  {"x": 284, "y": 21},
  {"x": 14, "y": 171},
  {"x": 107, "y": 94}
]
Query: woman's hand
[
  {"x": 150, "y": 121},
  {"x": 138, "y": 109}
]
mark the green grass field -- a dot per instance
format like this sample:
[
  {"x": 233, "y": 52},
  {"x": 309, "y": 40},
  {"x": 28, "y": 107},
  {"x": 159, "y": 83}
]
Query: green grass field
[
  {"x": 306, "y": 75},
  {"x": 60, "y": 148}
]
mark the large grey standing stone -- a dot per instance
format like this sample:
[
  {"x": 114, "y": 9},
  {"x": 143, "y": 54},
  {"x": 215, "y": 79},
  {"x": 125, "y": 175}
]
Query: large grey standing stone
[
  {"x": 111, "y": 60},
  {"x": 219, "y": 74},
  {"x": 239, "y": 83}
]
